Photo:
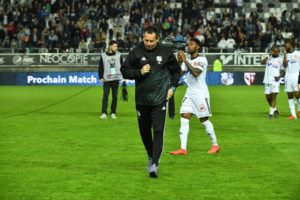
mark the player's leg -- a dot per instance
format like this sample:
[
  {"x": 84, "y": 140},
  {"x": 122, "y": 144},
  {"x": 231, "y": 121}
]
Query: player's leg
[
  {"x": 209, "y": 128},
  {"x": 186, "y": 111},
  {"x": 269, "y": 99},
  {"x": 273, "y": 110},
  {"x": 115, "y": 87},
  {"x": 289, "y": 89},
  {"x": 291, "y": 102},
  {"x": 203, "y": 112},
  {"x": 298, "y": 96},
  {"x": 145, "y": 122},
  {"x": 274, "y": 91},
  {"x": 158, "y": 115},
  {"x": 106, "y": 90}
]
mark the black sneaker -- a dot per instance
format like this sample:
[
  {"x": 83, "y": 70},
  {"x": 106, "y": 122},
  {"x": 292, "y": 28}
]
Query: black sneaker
[
  {"x": 276, "y": 114},
  {"x": 153, "y": 171},
  {"x": 270, "y": 116}
]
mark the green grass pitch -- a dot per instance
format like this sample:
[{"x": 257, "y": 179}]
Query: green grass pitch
[{"x": 65, "y": 152}]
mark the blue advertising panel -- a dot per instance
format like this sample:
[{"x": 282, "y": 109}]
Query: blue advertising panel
[{"x": 91, "y": 78}]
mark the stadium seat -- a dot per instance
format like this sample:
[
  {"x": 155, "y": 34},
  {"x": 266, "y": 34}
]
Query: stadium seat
[
  {"x": 263, "y": 24},
  {"x": 266, "y": 15},
  {"x": 295, "y": 5},
  {"x": 283, "y": 6},
  {"x": 217, "y": 10},
  {"x": 271, "y": 5},
  {"x": 259, "y": 5},
  {"x": 286, "y": 35},
  {"x": 260, "y": 10},
  {"x": 272, "y": 11}
]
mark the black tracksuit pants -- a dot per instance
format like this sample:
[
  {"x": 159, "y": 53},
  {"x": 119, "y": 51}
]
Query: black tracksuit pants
[
  {"x": 171, "y": 107},
  {"x": 114, "y": 86},
  {"x": 152, "y": 120}
]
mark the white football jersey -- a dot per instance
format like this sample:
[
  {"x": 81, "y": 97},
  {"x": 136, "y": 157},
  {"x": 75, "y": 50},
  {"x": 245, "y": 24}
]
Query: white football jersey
[
  {"x": 273, "y": 68},
  {"x": 197, "y": 86},
  {"x": 293, "y": 68}
]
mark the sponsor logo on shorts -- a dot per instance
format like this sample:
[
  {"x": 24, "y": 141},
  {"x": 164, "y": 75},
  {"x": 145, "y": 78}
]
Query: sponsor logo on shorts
[{"x": 202, "y": 108}]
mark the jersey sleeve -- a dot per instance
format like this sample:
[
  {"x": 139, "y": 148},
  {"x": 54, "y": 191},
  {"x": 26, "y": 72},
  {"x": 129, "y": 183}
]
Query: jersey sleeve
[
  {"x": 183, "y": 67},
  {"x": 202, "y": 64},
  {"x": 129, "y": 69}
]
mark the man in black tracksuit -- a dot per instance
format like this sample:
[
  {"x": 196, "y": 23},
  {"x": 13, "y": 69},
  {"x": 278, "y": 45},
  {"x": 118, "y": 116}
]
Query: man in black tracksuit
[{"x": 153, "y": 67}]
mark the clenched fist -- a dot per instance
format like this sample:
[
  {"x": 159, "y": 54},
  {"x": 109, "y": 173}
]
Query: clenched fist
[
  {"x": 181, "y": 56},
  {"x": 145, "y": 69}
]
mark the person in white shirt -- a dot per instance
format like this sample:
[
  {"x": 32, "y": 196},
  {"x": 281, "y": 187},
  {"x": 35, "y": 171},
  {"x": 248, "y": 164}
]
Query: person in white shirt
[
  {"x": 230, "y": 42},
  {"x": 273, "y": 72},
  {"x": 291, "y": 61},
  {"x": 222, "y": 44},
  {"x": 196, "y": 99}
]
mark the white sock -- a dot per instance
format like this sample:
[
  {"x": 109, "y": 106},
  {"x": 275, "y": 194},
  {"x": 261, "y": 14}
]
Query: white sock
[
  {"x": 298, "y": 100},
  {"x": 272, "y": 110},
  {"x": 292, "y": 107},
  {"x": 184, "y": 131},
  {"x": 209, "y": 128}
]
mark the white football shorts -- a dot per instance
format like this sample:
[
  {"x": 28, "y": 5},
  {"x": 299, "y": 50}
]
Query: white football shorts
[
  {"x": 291, "y": 85},
  {"x": 198, "y": 106},
  {"x": 272, "y": 87}
]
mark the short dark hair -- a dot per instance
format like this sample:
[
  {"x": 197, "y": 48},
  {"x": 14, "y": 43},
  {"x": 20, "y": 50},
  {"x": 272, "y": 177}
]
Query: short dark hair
[
  {"x": 274, "y": 47},
  {"x": 151, "y": 29},
  {"x": 196, "y": 41},
  {"x": 292, "y": 42},
  {"x": 112, "y": 42}
]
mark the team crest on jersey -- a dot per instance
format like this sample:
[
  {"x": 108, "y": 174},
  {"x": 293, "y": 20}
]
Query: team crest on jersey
[
  {"x": 143, "y": 59},
  {"x": 159, "y": 59},
  {"x": 293, "y": 59},
  {"x": 249, "y": 78},
  {"x": 276, "y": 64},
  {"x": 196, "y": 64},
  {"x": 202, "y": 108}
]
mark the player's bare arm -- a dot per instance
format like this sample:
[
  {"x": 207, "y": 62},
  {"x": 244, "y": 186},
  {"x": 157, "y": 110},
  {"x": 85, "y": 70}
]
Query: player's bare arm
[
  {"x": 285, "y": 63},
  {"x": 264, "y": 61}
]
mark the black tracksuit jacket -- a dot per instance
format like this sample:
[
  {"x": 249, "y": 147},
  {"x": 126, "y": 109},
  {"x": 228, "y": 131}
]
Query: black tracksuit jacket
[{"x": 151, "y": 89}]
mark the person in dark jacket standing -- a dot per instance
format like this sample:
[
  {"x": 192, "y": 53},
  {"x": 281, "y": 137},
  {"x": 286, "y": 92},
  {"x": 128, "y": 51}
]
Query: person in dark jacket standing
[
  {"x": 110, "y": 74},
  {"x": 153, "y": 67}
]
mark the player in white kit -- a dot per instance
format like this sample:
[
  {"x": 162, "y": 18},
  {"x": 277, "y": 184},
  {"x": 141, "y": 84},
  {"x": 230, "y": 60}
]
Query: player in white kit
[
  {"x": 292, "y": 62},
  {"x": 274, "y": 70},
  {"x": 196, "y": 99}
]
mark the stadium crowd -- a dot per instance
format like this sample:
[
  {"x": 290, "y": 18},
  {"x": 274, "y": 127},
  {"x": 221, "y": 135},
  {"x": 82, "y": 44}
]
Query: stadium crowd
[{"x": 90, "y": 24}]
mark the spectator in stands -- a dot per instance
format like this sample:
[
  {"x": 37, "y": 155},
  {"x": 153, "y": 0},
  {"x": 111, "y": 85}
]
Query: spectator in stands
[
  {"x": 179, "y": 37},
  {"x": 222, "y": 44},
  {"x": 230, "y": 42},
  {"x": 52, "y": 39},
  {"x": 82, "y": 44},
  {"x": 79, "y": 20},
  {"x": 279, "y": 41},
  {"x": 7, "y": 44},
  {"x": 273, "y": 21}
]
